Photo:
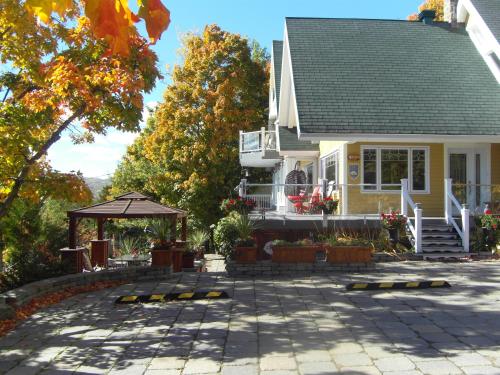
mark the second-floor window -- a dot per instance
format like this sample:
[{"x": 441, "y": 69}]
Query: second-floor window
[{"x": 328, "y": 167}]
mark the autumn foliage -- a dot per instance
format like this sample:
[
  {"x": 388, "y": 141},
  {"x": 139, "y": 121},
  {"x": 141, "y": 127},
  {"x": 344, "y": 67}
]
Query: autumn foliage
[
  {"x": 73, "y": 66},
  {"x": 38, "y": 303},
  {"x": 188, "y": 156}
]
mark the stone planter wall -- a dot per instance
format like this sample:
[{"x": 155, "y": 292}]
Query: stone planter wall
[
  {"x": 268, "y": 268},
  {"x": 23, "y": 295}
]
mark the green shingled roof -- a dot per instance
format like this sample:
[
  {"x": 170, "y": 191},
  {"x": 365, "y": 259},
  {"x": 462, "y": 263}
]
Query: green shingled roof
[
  {"x": 490, "y": 12},
  {"x": 277, "y": 58},
  {"x": 390, "y": 77},
  {"x": 289, "y": 141}
]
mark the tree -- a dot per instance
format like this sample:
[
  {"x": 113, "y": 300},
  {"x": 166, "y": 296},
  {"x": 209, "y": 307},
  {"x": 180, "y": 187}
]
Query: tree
[
  {"x": 436, "y": 5},
  {"x": 66, "y": 69},
  {"x": 190, "y": 156}
]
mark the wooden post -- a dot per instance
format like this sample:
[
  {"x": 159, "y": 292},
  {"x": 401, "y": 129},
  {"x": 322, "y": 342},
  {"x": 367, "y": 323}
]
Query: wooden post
[
  {"x": 173, "y": 229},
  {"x": 404, "y": 191},
  {"x": 448, "y": 210},
  {"x": 99, "y": 253},
  {"x": 465, "y": 227},
  {"x": 184, "y": 228},
  {"x": 100, "y": 229},
  {"x": 72, "y": 232},
  {"x": 418, "y": 228}
]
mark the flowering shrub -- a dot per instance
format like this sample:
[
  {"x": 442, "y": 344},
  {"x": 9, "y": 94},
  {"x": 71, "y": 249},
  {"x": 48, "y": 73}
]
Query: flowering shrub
[
  {"x": 239, "y": 204},
  {"x": 489, "y": 221},
  {"x": 328, "y": 205},
  {"x": 393, "y": 220}
]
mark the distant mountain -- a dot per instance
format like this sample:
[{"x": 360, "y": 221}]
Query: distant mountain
[{"x": 97, "y": 184}]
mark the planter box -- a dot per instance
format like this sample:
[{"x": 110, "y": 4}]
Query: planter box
[
  {"x": 177, "y": 259},
  {"x": 188, "y": 260},
  {"x": 161, "y": 258},
  {"x": 348, "y": 254},
  {"x": 295, "y": 254},
  {"x": 246, "y": 254}
]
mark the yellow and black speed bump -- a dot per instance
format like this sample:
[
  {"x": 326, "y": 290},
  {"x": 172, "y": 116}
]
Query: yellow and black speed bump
[
  {"x": 400, "y": 285},
  {"x": 183, "y": 296}
]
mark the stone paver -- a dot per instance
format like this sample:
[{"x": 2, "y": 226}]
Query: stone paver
[{"x": 303, "y": 324}]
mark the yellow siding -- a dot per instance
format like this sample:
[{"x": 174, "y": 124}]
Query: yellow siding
[
  {"x": 369, "y": 203},
  {"x": 326, "y": 147},
  {"x": 495, "y": 163}
]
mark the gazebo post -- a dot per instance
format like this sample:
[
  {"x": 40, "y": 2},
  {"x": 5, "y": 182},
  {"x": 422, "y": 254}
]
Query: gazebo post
[
  {"x": 72, "y": 232},
  {"x": 184, "y": 228},
  {"x": 173, "y": 232},
  {"x": 100, "y": 229}
]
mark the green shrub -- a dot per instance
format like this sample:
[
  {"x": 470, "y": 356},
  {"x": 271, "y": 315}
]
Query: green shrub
[{"x": 226, "y": 235}]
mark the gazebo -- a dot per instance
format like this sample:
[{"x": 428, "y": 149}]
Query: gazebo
[{"x": 131, "y": 205}]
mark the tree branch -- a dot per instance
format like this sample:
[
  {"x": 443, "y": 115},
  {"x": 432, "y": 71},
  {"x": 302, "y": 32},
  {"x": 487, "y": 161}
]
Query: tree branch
[{"x": 21, "y": 177}]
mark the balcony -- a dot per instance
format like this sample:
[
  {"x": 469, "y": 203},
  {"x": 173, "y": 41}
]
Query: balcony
[{"x": 258, "y": 149}]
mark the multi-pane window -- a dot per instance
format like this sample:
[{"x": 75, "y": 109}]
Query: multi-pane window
[
  {"x": 329, "y": 167},
  {"x": 383, "y": 168}
]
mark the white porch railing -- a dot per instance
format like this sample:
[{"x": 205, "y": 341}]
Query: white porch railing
[
  {"x": 450, "y": 202},
  {"x": 415, "y": 227},
  {"x": 260, "y": 140},
  {"x": 262, "y": 201}
]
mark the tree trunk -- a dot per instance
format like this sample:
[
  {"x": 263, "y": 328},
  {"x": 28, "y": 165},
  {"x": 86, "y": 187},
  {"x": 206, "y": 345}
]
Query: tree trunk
[{"x": 23, "y": 173}]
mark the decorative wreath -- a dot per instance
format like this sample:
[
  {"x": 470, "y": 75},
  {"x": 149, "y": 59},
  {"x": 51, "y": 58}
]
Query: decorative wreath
[{"x": 298, "y": 179}]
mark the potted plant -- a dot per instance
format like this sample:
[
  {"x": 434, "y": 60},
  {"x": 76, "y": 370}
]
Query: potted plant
[
  {"x": 159, "y": 233},
  {"x": 240, "y": 204},
  {"x": 348, "y": 249},
  {"x": 195, "y": 247},
  {"x": 490, "y": 226},
  {"x": 245, "y": 247},
  {"x": 129, "y": 245},
  {"x": 327, "y": 205},
  {"x": 303, "y": 251},
  {"x": 393, "y": 222}
]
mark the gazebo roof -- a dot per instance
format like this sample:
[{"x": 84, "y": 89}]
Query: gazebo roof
[{"x": 130, "y": 205}]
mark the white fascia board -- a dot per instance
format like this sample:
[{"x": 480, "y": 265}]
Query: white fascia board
[
  {"x": 467, "y": 6},
  {"x": 414, "y": 138},
  {"x": 288, "y": 100},
  {"x": 297, "y": 153},
  {"x": 278, "y": 144}
]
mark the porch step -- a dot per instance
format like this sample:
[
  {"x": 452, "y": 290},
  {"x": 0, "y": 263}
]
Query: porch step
[
  {"x": 457, "y": 255},
  {"x": 440, "y": 241},
  {"x": 441, "y": 249}
]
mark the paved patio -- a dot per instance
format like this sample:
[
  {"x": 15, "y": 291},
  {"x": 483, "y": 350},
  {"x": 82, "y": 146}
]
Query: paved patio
[{"x": 299, "y": 325}]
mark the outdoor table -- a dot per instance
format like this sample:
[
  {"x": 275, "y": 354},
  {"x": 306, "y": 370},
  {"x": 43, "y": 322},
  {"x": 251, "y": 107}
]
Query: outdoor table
[{"x": 134, "y": 260}]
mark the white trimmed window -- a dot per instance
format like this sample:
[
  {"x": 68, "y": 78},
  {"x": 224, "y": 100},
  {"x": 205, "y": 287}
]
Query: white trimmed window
[
  {"x": 384, "y": 167},
  {"x": 329, "y": 167}
]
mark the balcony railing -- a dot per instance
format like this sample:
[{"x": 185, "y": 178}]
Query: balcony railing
[{"x": 261, "y": 140}]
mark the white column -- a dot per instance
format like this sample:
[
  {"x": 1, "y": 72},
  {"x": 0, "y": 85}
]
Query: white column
[
  {"x": 263, "y": 140},
  {"x": 404, "y": 191},
  {"x": 447, "y": 200},
  {"x": 418, "y": 229},
  {"x": 242, "y": 188},
  {"x": 465, "y": 228}
]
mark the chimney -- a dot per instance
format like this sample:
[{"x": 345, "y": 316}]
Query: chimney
[
  {"x": 450, "y": 11},
  {"x": 427, "y": 16}
]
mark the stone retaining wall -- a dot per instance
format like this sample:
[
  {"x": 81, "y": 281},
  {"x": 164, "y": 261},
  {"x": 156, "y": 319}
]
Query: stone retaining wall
[
  {"x": 268, "y": 268},
  {"x": 20, "y": 296}
]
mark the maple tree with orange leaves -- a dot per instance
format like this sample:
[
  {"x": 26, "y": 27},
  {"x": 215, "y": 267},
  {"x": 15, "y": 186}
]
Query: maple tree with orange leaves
[{"x": 71, "y": 65}]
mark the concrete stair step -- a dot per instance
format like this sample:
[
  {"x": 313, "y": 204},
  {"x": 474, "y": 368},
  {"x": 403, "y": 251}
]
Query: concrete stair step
[
  {"x": 442, "y": 249},
  {"x": 456, "y": 255}
]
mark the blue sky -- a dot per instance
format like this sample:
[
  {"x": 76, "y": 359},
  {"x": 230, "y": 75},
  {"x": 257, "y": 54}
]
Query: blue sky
[{"x": 256, "y": 19}]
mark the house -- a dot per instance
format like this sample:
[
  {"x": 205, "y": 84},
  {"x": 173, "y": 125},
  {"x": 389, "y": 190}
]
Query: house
[{"x": 381, "y": 114}]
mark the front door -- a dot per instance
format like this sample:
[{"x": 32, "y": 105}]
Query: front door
[{"x": 467, "y": 170}]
